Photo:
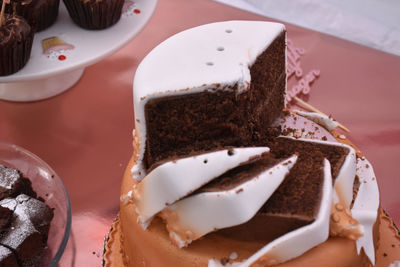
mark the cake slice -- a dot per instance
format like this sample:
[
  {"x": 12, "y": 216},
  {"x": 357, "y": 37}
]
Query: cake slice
[
  {"x": 174, "y": 180},
  {"x": 297, "y": 242},
  {"x": 232, "y": 199},
  {"x": 296, "y": 201}
]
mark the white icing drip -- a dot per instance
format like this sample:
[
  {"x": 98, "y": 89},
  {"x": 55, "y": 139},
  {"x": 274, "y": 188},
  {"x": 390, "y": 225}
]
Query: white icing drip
[
  {"x": 233, "y": 256},
  {"x": 182, "y": 64},
  {"x": 208, "y": 211},
  {"x": 395, "y": 264},
  {"x": 321, "y": 119},
  {"x": 345, "y": 179},
  {"x": 304, "y": 128},
  {"x": 173, "y": 180},
  {"x": 365, "y": 208},
  {"x": 295, "y": 243}
]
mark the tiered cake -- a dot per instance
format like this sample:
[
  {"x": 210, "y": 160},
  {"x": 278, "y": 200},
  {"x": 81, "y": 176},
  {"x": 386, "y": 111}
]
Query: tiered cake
[{"x": 221, "y": 176}]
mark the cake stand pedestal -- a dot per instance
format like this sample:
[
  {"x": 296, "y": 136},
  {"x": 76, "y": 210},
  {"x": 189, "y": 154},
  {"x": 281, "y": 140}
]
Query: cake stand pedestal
[{"x": 41, "y": 88}]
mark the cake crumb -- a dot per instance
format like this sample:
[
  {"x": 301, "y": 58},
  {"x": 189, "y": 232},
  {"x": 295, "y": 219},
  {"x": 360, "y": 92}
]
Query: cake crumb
[
  {"x": 224, "y": 261},
  {"x": 233, "y": 256}
]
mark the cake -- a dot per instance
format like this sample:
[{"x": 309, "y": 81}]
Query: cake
[
  {"x": 24, "y": 221},
  {"x": 217, "y": 92},
  {"x": 40, "y": 14},
  {"x": 16, "y": 37},
  {"x": 221, "y": 175},
  {"x": 94, "y": 14}
]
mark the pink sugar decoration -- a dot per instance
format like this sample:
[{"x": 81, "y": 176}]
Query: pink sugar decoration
[
  {"x": 303, "y": 85},
  {"x": 293, "y": 59}
]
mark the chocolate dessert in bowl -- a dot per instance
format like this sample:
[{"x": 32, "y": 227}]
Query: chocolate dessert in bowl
[{"x": 35, "y": 210}]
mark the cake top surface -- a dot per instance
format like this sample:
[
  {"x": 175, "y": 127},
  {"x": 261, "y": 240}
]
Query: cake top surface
[{"x": 207, "y": 55}]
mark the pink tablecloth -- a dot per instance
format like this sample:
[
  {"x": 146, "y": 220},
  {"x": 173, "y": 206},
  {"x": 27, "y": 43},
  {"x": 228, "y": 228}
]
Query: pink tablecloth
[{"x": 85, "y": 133}]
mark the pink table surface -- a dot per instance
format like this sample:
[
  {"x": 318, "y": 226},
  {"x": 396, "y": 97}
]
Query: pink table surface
[{"x": 85, "y": 133}]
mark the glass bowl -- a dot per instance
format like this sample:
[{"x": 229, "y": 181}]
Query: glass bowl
[{"x": 48, "y": 185}]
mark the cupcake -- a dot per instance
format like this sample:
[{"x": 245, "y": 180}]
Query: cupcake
[
  {"x": 40, "y": 14},
  {"x": 94, "y": 14},
  {"x": 16, "y": 37}
]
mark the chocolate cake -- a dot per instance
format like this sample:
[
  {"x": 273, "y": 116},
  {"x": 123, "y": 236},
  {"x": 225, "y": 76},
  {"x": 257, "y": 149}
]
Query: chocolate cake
[
  {"x": 239, "y": 175},
  {"x": 209, "y": 208},
  {"x": 296, "y": 201},
  {"x": 216, "y": 89},
  {"x": 7, "y": 257},
  {"x": 12, "y": 183},
  {"x": 235, "y": 89},
  {"x": 24, "y": 221},
  {"x": 175, "y": 124},
  {"x": 290, "y": 203},
  {"x": 16, "y": 37}
]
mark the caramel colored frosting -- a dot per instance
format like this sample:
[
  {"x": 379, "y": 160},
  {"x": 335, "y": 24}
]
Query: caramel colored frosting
[
  {"x": 342, "y": 224},
  {"x": 14, "y": 30},
  {"x": 130, "y": 245}
]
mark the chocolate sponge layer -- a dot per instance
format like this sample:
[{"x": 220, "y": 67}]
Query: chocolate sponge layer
[{"x": 179, "y": 125}]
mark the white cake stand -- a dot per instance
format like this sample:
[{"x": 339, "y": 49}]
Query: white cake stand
[{"x": 56, "y": 65}]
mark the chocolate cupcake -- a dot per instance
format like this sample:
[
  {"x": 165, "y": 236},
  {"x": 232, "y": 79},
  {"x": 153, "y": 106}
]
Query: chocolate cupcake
[
  {"x": 94, "y": 14},
  {"x": 40, "y": 14},
  {"x": 16, "y": 37}
]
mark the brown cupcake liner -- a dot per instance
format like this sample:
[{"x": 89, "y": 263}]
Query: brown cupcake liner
[
  {"x": 44, "y": 16},
  {"x": 95, "y": 14},
  {"x": 14, "y": 56}
]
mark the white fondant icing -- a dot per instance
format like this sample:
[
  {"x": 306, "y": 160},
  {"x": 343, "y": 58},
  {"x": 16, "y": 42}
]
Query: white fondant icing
[
  {"x": 295, "y": 243},
  {"x": 175, "y": 179},
  {"x": 395, "y": 264},
  {"x": 365, "y": 208},
  {"x": 208, "y": 211},
  {"x": 302, "y": 127},
  {"x": 321, "y": 119},
  {"x": 345, "y": 179},
  {"x": 233, "y": 256},
  {"x": 193, "y": 61}
]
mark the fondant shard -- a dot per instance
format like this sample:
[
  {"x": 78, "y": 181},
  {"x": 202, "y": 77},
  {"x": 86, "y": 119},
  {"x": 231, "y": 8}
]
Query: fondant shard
[
  {"x": 174, "y": 180},
  {"x": 224, "y": 205},
  {"x": 295, "y": 243}
]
